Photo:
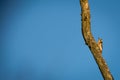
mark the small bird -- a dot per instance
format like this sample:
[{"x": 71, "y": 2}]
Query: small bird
[{"x": 100, "y": 44}]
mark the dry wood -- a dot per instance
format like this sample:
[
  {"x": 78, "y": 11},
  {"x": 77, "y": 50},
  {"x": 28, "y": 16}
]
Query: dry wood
[{"x": 90, "y": 41}]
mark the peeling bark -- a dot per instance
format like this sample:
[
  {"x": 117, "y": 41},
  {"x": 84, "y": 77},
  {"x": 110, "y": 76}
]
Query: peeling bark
[{"x": 90, "y": 41}]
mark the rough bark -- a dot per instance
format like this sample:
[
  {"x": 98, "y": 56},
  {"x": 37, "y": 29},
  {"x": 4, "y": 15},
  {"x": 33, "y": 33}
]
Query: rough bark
[{"x": 90, "y": 41}]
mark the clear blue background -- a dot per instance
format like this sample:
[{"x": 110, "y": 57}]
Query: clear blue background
[{"x": 42, "y": 40}]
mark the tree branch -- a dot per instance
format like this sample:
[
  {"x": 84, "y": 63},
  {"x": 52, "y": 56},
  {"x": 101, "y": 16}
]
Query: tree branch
[{"x": 94, "y": 46}]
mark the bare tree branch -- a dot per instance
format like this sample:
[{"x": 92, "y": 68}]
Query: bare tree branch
[{"x": 95, "y": 47}]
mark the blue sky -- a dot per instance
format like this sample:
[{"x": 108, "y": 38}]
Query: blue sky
[{"x": 42, "y": 40}]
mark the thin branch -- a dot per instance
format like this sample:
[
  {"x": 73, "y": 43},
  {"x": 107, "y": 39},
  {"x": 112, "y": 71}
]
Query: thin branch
[{"x": 95, "y": 47}]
